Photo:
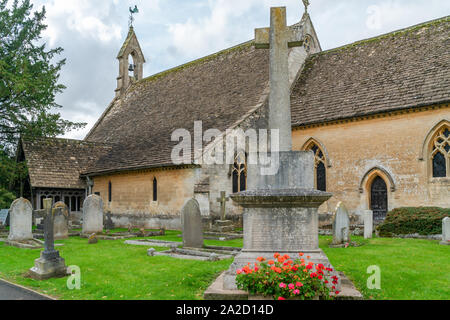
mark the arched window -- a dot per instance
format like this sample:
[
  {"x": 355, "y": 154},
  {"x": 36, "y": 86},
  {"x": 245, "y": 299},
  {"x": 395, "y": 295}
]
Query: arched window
[
  {"x": 109, "y": 192},
  {"x": 155, "y": 189},
  {"x": 320, "y": 172},
  {"x": 440, "y": 153},
  {"x": 240, "y": 173}
]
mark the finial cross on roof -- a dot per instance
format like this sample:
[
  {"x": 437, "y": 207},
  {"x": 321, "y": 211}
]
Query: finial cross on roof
[{"x": 306, "y": 3}]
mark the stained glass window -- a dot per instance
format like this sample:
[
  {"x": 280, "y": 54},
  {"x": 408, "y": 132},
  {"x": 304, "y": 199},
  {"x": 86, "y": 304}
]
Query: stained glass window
[{"x": 440, "y": 154}]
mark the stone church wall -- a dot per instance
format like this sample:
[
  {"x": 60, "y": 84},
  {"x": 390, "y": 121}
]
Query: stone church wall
[
  {"x": 132, "y": 197},
  {"x": 389, "y": 145}
]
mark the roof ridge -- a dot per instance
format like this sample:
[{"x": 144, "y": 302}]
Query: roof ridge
[
  {"x": 385, "y": 35},
  {"x": 65, "y": 139}
]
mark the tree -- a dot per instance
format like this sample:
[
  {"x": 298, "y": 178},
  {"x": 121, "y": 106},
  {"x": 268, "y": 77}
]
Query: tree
[
  {"x": 28, "y": 86},
  {"x": 28, "y": 77}
]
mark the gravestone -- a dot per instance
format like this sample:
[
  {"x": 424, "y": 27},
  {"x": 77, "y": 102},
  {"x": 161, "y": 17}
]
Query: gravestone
[
  {"x": 92, "y": 215},
  {"x": 61, "y": 221},
  {"x": 368, "y": 224},
  {"x": 223, "y": 225},
  {"x": 192, "y": 225},
  {"x": 341, "y": 225},
  {"x": 3, "y": 216},
  {"x": 20, "y": 220},
  {"x": 49, "y": 264},
  {"x": 446, "y": 231}
]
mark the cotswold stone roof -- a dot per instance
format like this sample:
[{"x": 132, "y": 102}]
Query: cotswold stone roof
[
  {"x": 404, "y": 69},
  {"x": 218, "y": 90},
  {"x": 57, "y": 163}
]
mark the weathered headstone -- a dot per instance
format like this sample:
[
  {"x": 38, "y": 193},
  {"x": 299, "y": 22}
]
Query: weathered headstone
[
  {"x": 446, "y": 231},
  {"x": 92, "y": 215},
  {"x": 21, "y": 220},
  {"x": 368, "y": 224},
  {"x": 192, "y": 225},
  {"x": 50, "y": 264},
  {"x": 3, "y": 216},
  {"x": 61, "y": 221},
  {"x": 341, "y": 225}
]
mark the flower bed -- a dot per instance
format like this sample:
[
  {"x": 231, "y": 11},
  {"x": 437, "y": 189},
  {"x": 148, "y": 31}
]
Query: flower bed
[{"x": 284, "y": 278}]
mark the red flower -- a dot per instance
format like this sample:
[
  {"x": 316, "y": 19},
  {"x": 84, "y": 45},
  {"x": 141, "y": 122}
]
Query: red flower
[{"x": 281, "y": 298}]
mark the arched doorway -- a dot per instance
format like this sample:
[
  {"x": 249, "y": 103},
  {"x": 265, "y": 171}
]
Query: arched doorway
[{"x": 378, "y": 199}]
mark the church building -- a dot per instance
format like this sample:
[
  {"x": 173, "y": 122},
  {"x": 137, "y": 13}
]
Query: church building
[{"x": 375, "y": 113}]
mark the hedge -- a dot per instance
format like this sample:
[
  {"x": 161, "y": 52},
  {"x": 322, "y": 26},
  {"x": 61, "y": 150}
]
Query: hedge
[{"x": 422, "y": 220}]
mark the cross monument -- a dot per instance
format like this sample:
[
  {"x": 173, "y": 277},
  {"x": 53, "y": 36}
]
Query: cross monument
[{"x": 278, "y": 39}]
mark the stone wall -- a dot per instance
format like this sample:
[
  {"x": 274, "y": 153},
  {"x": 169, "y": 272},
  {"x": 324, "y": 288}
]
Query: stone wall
[
  {"x": 132, "y": 197},
  {"x": 393, "y": 144}
]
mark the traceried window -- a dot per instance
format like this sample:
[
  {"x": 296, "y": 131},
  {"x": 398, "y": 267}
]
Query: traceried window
[
  {"x": 320, "y": 174},
  {"x": 440, "y": 153},
  {"x": 240, "y": 173}
]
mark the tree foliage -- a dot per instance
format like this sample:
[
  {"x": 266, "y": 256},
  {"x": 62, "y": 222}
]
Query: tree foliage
[{"x": 28, "y": 76}]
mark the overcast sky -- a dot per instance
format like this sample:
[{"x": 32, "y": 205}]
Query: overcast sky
[{"x": 172, "y": 32}]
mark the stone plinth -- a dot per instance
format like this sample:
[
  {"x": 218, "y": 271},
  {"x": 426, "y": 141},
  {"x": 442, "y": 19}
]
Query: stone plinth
[
  {"x": 49, "y": 265},
  {"x": 280, "y": 213},
  {"x": 284, "y": 221}
]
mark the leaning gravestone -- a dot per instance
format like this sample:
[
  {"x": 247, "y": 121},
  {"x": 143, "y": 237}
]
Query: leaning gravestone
[
  {"x": 61, "y": 221},
  {"x": 3, "y": 216},
  {"x": 341, "y": 226},
  {"x": 92, "y": 215},
  {"x": 20, "y": 220},
  {"x": 192, "y": 225},
  {"x": 368, "y": 224},
  {"x": 446, "y": 231}
]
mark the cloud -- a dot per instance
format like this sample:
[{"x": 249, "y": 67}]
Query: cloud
[{"x": 172, "y": 32}]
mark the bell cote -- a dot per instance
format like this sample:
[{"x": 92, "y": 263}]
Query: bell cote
[{"x": 131, "y": 63}]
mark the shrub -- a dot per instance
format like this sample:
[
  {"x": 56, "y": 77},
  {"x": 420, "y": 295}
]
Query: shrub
[
  {"x": 6, "y": 198},
  {"x": 423, "y": 220},
  {"x": 283, "y": 278}
]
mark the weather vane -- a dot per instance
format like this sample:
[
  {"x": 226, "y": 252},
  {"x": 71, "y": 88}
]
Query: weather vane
[
  {"x": 306, "y": 3},
  {"x": 132, "y": 11}
]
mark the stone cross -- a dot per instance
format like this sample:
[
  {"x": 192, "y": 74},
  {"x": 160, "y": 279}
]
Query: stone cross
[
  {"x": 306, "y": 3},
  {"x": 49, "y": 236},
  {"x": 279, "y": 38},
  {"x": 223, "y": 200},
  {"x": 50, "y": 264}
]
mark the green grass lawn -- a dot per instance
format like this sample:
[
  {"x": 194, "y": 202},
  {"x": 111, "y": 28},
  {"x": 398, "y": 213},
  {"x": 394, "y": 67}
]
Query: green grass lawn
[{"x": 410, "y": 269}]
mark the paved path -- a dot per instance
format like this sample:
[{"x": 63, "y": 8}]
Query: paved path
[{"x": 12, "y": 292}]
